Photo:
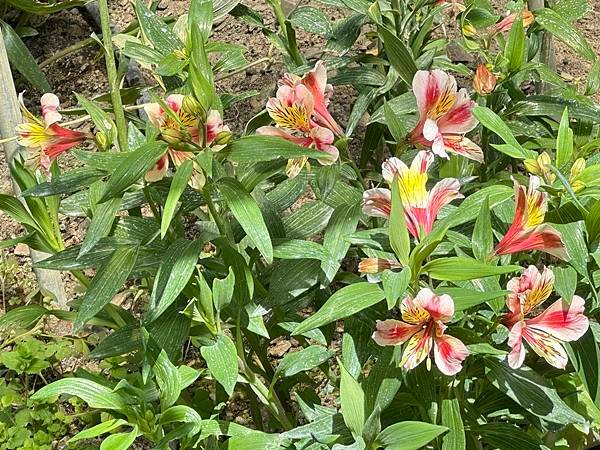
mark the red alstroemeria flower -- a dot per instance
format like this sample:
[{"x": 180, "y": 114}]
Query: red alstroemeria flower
[
  {"x": 293, "y": 112},
  {"x": 173, "y": 133},
  {"x": 421, "y": 207},
  {"x": 316, "y": 83},
  {"x": 444, "y": 116},
  {"x": 422, "y": 325},
  {"x": 506, "y": 24},
  {"x": 560, "y": 322},
  {"x": 528, "y": 230},
  {"x": 46, "y": 135}
]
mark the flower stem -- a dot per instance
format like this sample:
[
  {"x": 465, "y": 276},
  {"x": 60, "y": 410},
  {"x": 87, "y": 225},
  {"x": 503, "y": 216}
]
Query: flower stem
[
  {"x": 113, "y": 79},
  {"x": 66, "y": 51}
]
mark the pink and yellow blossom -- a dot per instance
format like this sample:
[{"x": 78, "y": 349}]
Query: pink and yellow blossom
[
  {"x": 45, "y": 135},
  {"x": 444, "y": 116},
  {"x": 528, "y": 230},
  {"x": 421, "y": 206},
  {"x": 423, "y": 326},
  {"x": 561, "y": 322}
]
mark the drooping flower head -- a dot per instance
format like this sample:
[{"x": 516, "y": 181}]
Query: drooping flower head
[
  {"x": 528, "y": 230},
  {"x": 300, "y": 113},
  {"x": 422, "y": 325},
  {"x": 46, "y": 135},
  {"x": 421, "y": 206},
  {"x": 506, "y": 24},
  {"x": 187, "y": 128},
  {"x": 444, "y": 116},
  {"x": 560, "y": 322}
]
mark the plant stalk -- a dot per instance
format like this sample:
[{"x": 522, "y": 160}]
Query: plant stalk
[{"x": 113, "y": 79}]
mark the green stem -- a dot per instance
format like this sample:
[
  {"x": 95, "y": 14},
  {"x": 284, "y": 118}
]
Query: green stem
[
  {"x": 223, "y": 227},
  {"x": 113, "y": 80},
  {"x": 66, "y": 51}
]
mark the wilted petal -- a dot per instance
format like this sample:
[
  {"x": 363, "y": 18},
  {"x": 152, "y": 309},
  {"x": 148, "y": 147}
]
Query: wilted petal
[
  {"x": 417, "y": 349},
  {"x": 393, "y": 332},
  {"x": 50, "y": 104},
  {"x": 449, "y": 353},
  {"x": 377, "y": 202},
  {"x": 295, "y": 166},
  {"x": 562, "y": 321}
]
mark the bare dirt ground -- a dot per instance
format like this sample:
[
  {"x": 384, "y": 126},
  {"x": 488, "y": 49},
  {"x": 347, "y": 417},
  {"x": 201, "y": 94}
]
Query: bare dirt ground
[{"x": 83, "y": 72}]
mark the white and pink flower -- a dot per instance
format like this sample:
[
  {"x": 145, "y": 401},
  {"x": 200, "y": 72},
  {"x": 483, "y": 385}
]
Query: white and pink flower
[
  {"x": 561, "y": 322},
  {"x": 444, "y": 116},
  {"x": 423, "y": 326}
]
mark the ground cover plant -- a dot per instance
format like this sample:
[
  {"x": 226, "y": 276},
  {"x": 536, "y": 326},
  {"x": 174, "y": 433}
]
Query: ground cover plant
[{"x": 421, "y": 272}]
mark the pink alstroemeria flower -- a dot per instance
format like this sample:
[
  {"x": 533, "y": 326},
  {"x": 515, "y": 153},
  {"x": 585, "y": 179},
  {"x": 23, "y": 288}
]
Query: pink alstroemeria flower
[
  {"x": 316, "y": 83},
  {"x": 528, "y": 230},
  {"x": 46, "y": 134},
  {"x": 421, "y": 207},
  {"x": 422, "y": 325},
  {"x": 173, "y": 133},
  {"x": 293, "y": 112},
  {"x": 560, "y": 322},
  {"x": 506, "y": 24},
  {"x": 444, "y": 116}
]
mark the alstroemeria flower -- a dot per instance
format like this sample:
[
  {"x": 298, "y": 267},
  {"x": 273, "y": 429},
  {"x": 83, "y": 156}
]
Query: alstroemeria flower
[
  {"x": 444, "y": 116},
  {"x": 316, "y": 83},
  {"x": 422, "y": 325},
  {"x": 506, "y": 24},
  {"x": 560, "y": 322},
  {"x": 528, "y": 230},
  {"x": 484, "y": 81},
  {"x": 190, "y": 129},
  {"x": 45, "y": 134},
  {"x": 421, "y": 207},
  {"x": 377, "y": 265},
  {"x": 293, "y": 112}
]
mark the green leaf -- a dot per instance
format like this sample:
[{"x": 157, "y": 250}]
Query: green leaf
[
  {"x": 298, "y": 249},
  {"x": 108, "y": 281},
  {"x": 312, "y": 20},
  {"x": 564, "y": 141},
  {"x": 94, "y": 394},
  {"x": 156, "y": 31},
  {"x": 178, "y": 185},
  {"x": 360, "y": 107},
  {"x": 123, "y": 340},
  {"x": 223, "y": 290},
  {"x": 584, "y": 354},
  {"x": 573, "y": 236},
  {"x": 483, "y": 237},
  {"x": 306, "y": 359},
  {"x": 97, "y": 430},
  {"x": 515, "y": 46},
  {"x": 15, "y": 209},
  {"x": 359, "y": 76},
  {"x": 470, "y": 206},
  {"x": 451, "y": 419},
  {"x": 592, "y": 223},
  {"x": 467, "y": 298},
  {"x": 342, "y": 224},
  {"x": 398, "y": 231},
  {"x": 168, "y": 379},
  {"x": 459, "y": 268},
  {"x": 65, "y": 183},
  {"x": 200, "y": 14},
  {"x": 308, "y": 220},
  {"x": 493, "y": 122},
  {"x": 247, "y": 213},
  {"x": 394, "y": 123},
  {"x": 178, "y": 265},
  {"x": 409, "y": 435},
  {"x": 352, "y": 401},
  {"x": 22, "y": 60},
  {"x": 395, "y": 285},
  {"x": 250, "y": 149},
  {"x": 564, "y": 31},
  {"x": 119, "y": 441},
  {"x": 43, "y": 9},
  {"x": 506, "y": 436},
  {"x": 221, "y": 359},
  {"x": 399, "y": 55},
  {"x": 530, "y": 391},
  {"x": 347, "y": 301},
  {"x": 22, "y": 317},
  {"x": 101, "y": 224},
  {"x": 101, "y": 119},
  {"x": 132, "y": 168},
  {"x": 565, "y": 282},
  {"x": 572, "y": 9}
]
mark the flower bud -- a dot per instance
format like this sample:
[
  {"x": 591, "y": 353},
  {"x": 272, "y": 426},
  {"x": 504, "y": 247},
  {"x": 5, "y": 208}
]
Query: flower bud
[
  {"x": 577, "y": 186},
  {"x": 484, "y": 81},
  {"x": 223, "y": 138},
  {"x": 532, "y": 166},
  {"x": 191, "y": 106},
  {"x": 376, "y": 265},
  {"x": 172, "y": 135},
  {"x": 103, "y": 140},
  {"x": 577, "y": 168},
  {"x": 469, "y": 30}
]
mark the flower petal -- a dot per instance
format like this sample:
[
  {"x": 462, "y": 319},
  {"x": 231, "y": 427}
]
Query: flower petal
[
  {"x": 439, "y": 307},
  {"x": 562, "y": 321},
  {"x": 159, "y": 170},
  {"x": 413, "y": 312},
  {"x": 546, "y": 346},
  {"x": 449, "y": 353},
  {"x": 50, "y": 104},
  {"x": 155, "y": 114},
  {"x": 417, "y": 349},
  {"x": 459, "y": 120},
  {"x": 393, "y": 332},
  {"x": 444, "y": 192},
  {"x": 430, "y": 130},
  {"x": 377, "y": 202},
  {"x": 463, "y": 146},
  {"x": 543, "y": 238},
  {"x": 392, "y": 167},
  {"x": 515, "y": 342}
]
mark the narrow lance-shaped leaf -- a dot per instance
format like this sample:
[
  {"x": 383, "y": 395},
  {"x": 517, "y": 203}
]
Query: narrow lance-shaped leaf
[
  {"x": 178, "y": 185},
  {"x": 101, "y": 224},
  {"x": 564, "y": 141},
  {"x": 515, "y": 46},
  {"x": 352, "y": 400},
  {"x": 459, "y": 268},
  {"x": 398, "y": 231},
  {"x": 483, "y": 238}
]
